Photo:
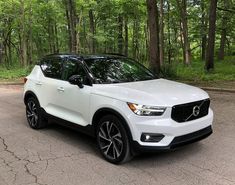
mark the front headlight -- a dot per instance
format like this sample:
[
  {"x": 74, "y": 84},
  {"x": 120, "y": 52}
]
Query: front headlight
[{"x": 144, "y": 110}]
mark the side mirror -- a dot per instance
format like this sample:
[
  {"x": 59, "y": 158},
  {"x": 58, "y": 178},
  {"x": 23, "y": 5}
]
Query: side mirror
[{"x": 76, "y": 80}]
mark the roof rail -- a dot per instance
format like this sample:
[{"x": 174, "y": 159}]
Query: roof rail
[{"x": 118, "y": 54}]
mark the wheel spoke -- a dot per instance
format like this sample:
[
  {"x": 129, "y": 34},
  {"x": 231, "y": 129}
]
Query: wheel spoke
[
  {"x": 106, "y": 148},
  {"x": 117, "y": 135},
  {"x": 29, "y": 114},
  {"x": 29, "y": 106},
  {"x": 109, "y": 128},
  {"x": 116, "y": 150},
  {"x": 103, "y": 137},
  {"x": 118, "y": 140},
  {"x": 33, "y": 121},
  {"x": 102, "y": 132}
]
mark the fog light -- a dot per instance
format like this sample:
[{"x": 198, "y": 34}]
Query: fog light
[{"x": 150, "y": 137}]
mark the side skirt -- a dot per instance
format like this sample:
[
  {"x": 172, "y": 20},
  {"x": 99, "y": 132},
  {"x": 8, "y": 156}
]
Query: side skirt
[{"x": 88, "y": 130}]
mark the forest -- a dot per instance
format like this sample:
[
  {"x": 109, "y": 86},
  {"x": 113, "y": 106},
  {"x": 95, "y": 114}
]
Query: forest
[{"x": 188, "y": 39}]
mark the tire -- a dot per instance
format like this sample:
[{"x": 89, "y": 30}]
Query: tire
[
  {"x": 112, "y": 140},
  {"x": 34, "y": 115}
]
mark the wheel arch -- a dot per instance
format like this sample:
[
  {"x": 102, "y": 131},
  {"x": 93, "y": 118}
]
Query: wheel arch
[
  {"x": 28, "y": 95},
  {"x": 106, "y": 111}
]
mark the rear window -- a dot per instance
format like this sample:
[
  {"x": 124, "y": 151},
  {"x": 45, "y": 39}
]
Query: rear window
[{"x": 52, "y": 67}]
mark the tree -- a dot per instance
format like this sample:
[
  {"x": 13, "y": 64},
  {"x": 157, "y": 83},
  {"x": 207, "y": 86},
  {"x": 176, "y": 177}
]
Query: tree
[
  {"x": 211, "y": 36},
  {"x": 161, "y": 32},
  {"x": 204, "y": 23},
  {"x": 182, "y": 6},
  {"x": 22, "y": 35},
  {"x": 225, "y": 18},
  {"x": 92, "y": 30},
  {"x": 154, "y": 39},
  {"x": 71, "y": 15},
  {"x": 120, "y": 34}
]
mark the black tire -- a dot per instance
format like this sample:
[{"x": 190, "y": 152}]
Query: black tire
[
  {"x": 34, "y": 115},
  {"x": 112, "y": 140}
]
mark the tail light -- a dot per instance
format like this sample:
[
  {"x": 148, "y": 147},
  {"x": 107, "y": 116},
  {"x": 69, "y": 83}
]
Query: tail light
[{"x": 25, "y": 80}]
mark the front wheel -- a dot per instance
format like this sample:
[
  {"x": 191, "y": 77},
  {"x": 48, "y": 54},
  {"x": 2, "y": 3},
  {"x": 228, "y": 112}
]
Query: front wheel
[
  {"x": 34, "y": 116},
  {"x": 112, "y": 140}
]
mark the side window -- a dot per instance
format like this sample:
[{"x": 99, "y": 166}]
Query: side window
[
  {"x": 74, "y": 67},
  {"x": 52, "y": 67}
]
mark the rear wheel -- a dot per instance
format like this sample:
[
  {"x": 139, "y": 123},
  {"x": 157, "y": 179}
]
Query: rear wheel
[
  {"x": 34, "y": 116},
  {"x": 112, "y": 140}
]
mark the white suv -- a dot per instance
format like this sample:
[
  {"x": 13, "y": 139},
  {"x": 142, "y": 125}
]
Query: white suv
[{"x": 118, "y": 101}]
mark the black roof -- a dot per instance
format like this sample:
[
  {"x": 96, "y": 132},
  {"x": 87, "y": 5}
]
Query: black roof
[{"x": 91, "y": 56}]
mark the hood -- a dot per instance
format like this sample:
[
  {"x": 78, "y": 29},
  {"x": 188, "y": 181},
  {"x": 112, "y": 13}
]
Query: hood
[{"x": 159, "y": 92}]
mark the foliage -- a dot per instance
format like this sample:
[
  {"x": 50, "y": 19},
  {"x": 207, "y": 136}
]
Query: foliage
[
  {"x": 30, "y": 29},
  {"x": 13, "y": 73},
  {"x": 224, "y": 71}
]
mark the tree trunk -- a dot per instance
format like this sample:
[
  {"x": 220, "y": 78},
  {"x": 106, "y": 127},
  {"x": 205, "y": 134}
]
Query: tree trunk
[
  {"x": 222, "y": 43},
  {"x": 183, "y": 13},
  {"x": 120, "y": 34},
  {"x": 22, "y": 34},
  {"x": 154, "y": 39},
  {"x": 161, "y": 32},
  {"x": 182, "y": 42},
  {"x": 203, "y": 31},
  {"x": 92, "y": 30},
  {"x": 126, "y": 36},
  {"x": 223, "y": 31},
  {"x": 30, "y": 38},
  {"x": 72, "y": 24},
  {"x": 135, "y": 39},
  {"x": 169, "y": 32},
  {"x": 56, "y": 38},
  {"x": 211, "y": 36}
]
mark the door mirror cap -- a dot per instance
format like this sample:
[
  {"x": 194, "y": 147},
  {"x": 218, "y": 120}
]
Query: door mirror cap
[{"x": 76, "y": 80}]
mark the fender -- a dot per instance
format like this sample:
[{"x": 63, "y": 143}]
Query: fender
[{"x": 104, "y": 111}]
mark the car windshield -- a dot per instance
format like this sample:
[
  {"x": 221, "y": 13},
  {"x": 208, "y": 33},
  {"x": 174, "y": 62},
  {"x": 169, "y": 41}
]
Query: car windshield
[{"x": 118, "y": 70}]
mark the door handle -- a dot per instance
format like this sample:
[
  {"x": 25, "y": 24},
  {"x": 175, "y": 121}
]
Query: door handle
[
  {"x": 38, "y": 83},
  {"x": 60, "y": 89}
]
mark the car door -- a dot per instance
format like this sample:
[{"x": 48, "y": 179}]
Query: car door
[
  {"x": 48, "y": 84},
  {"x": 74, "y": 102}
]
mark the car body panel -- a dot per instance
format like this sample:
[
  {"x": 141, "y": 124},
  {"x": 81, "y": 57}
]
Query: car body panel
[{"x": 159, "y": 92}]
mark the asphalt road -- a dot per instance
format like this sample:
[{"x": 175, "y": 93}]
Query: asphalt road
[{"x": 59, "y": 156}]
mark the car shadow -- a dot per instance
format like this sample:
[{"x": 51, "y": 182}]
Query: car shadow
[{"x": 88, "y": 145}]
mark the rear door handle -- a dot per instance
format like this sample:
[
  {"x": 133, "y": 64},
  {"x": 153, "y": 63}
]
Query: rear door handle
[
  {"x": 38, "y": 83},
  {"x": 60, "y": 89}
]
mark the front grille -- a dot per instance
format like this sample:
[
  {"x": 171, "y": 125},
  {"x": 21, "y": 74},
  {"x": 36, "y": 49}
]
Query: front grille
[{"x": 185, "y": 112}]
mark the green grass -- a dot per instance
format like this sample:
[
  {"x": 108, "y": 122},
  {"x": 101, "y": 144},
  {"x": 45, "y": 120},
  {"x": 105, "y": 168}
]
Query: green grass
[
  {"x": 13, "y": 73},
  {"x": 223, "y": 71}
]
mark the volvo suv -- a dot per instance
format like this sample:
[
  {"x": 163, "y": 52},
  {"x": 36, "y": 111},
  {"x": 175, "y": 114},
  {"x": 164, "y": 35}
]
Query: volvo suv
[{"x": 118, "y": 101}]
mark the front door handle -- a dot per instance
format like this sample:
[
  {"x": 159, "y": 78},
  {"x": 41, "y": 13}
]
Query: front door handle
[
  {"x": 38, "y": 83},
  {"x": 60, "y": 89}
]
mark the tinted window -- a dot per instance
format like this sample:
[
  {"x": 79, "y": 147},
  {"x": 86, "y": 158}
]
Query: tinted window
[
  {"x": 74, "y": 67},
  {"x": 116, "y": 70},
  {"x": 52, "y": 67}
]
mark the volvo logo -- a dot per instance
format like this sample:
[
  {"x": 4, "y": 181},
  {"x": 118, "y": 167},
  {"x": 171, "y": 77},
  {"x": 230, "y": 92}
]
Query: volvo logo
[{"x": 196, "y": 110}]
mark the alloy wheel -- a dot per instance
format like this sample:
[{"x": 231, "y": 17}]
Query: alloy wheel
[
  {"x": 110, "y": 140},
  {"x": 32, "y": 113}
]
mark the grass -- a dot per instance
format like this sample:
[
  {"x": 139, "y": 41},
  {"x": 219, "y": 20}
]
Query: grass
[
  {"x": 13, "y": 74},
  {"x": 223, "y": 71}
]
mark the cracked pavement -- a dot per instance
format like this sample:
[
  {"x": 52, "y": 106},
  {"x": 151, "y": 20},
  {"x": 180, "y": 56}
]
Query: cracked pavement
[{"x": 60, "y": 156}]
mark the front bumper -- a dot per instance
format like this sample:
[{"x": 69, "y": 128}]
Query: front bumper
[
  {"x": 177, "y": 141},
  {"x": 166, "y": 126}
]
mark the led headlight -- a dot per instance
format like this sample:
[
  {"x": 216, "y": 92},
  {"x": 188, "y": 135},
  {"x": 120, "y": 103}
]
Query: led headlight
[{"x": 144, "y": 110}]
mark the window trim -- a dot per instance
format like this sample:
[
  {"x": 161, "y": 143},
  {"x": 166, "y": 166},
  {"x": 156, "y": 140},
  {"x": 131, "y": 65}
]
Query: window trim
[{"x": 51, "y": 58}]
